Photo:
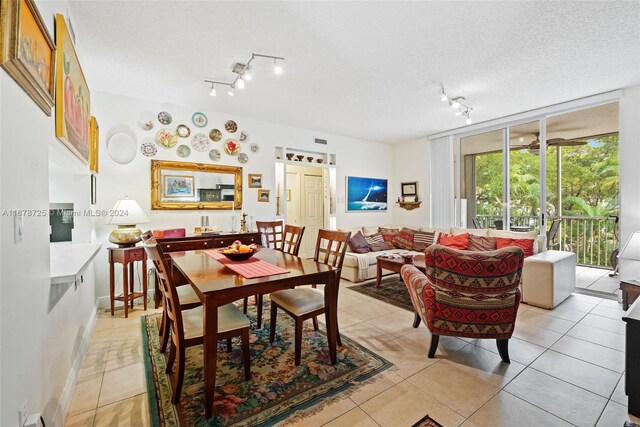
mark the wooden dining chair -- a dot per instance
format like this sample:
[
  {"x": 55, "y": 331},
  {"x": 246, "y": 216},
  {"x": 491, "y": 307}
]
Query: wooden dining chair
[
  {"x": 304, "y": 303},
  {"x": 287, "y": 240},
  {"x": 186, "y": 295},
  {"x": 187, "y": 326}
]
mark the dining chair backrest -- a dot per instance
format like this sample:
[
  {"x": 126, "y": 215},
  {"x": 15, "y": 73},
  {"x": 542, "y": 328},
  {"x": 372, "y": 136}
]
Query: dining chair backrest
[
  {"x": 476, "y": 223},
  {"x": 292, "y": 239},
  {"x": 170, "y": 294},
  {"x": 272, "y": 232},
  {"x": 146, "y": 235},
  {"x": 553, "y": 232},
  {"x": 331, "y": 247}
]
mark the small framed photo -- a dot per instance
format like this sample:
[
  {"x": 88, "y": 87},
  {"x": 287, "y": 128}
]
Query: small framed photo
[
  {"x": 255, "y": 180},
  {"x": 263, "y": 195},
  {"x": 176, "y": 186},
  {"x": 409, "y": 189}
]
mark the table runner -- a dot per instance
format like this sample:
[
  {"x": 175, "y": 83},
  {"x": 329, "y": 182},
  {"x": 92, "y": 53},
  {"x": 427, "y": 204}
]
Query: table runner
[{"x": 249, "y": 269}]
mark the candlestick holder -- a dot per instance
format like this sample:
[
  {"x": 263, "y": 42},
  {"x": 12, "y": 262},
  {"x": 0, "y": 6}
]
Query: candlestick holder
[
  {"x": 243, "y": 223},
  {"x": 277, "y": 205},
  {"x": 233, "y": 223}
]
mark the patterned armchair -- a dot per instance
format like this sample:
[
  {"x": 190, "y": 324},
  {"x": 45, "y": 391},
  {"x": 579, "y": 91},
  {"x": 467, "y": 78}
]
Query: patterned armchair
[{"x": 467, "y": 294}]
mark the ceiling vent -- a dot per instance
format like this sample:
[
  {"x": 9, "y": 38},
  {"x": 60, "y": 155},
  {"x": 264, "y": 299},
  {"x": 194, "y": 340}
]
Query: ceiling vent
[{"x": 321, "y": 141}]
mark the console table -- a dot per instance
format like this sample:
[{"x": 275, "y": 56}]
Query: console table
[
  {"x": 632, "y": 358},
  {"x": 126, "y": 257},
  {"x": 201, "y": 241}
]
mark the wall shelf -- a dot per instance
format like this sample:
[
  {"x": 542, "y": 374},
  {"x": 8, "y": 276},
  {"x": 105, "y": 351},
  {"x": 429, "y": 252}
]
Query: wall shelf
[
  {"x": 68, "y": 260},
  {"x": 409, "y": 205}
]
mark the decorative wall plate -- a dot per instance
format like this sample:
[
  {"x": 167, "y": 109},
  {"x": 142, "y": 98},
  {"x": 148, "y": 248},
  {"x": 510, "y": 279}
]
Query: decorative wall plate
[
  {"x": 199, "y": 119},
  {"x": 184, "y": 150},
  {"x": 231, "y": 147},
  {"x": 183, "y": 131},
  {"x": 243, "y": 158},
  {"x": 231, "y": 126},
  {"x": 166, "y": 138},
  {"x": 214, "y": 155},
  {"x": 145, "y": 120},
  {"x": 254, "y": 147},
  {"x": 215, "y": 135},
  {"x": 164, "y": 118},
  {"x": 244, "y": 136},
  {"x": 122, "y": 147},
  {"x": 200, "y": 142},
  {"x": 148, "y": 148}
]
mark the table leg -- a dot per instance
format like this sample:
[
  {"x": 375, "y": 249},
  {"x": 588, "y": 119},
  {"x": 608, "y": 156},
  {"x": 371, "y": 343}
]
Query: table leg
[
  {"x": 144, "y": 282},
  {"x": 378, "y": 274},
  {"x": 111, "y": 286},
  {"x": 132, "y": 282},
  {"x": 125, "y": 290},
  {"x": 331, "y": 312},
  {"x": 210, "y": 325}
]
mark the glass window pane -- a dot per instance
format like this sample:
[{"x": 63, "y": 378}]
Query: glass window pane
[{"x": 524, "y": 177}]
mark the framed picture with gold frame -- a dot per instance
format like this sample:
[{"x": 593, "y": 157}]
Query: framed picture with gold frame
[
  {"x": 27, "y": 51},
  {"x": 263, "y": 195},
  {"x": 94, "y": 136},
  {"x": 73, "y": 107},
  {"x": 255, "y": 180}
]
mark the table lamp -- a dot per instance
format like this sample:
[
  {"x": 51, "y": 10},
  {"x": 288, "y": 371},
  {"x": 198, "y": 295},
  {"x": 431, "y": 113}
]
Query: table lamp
[
  {"x": 631, "y": 249},
  {"x": 126, "y": 213}
]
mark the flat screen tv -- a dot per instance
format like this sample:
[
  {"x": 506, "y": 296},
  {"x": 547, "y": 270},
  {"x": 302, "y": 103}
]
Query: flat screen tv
[{"x": 366, "y": 194}]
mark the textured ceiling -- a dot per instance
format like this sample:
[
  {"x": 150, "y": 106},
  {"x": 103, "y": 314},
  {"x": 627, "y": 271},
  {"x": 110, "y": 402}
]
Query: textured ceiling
[{"x": 369, "y": 70}]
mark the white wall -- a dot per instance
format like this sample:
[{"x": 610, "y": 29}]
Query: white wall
[
  {"x": 42, "y": 325},
  {"x": 353, "y": 157},
  {"x": 411, "y": 163},
  {"x": 629, "y": 173}
]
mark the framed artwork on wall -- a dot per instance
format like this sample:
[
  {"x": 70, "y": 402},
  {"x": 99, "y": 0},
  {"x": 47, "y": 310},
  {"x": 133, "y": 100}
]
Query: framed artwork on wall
[
  {"x": 178, "y": 186},
  {"x": 73, "y": 107},
  {"x": 94, "y": 136},
  {"x": 255, "y": 180},
  {"x": 27, "y": 51},
  {"x": 409, "y": 188},
  {"x": 366, "y": 194},
  {"x": 263, "y": 195}
]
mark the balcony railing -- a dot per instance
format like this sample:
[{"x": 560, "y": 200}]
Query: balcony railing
[{"x": 593, "y": 239}]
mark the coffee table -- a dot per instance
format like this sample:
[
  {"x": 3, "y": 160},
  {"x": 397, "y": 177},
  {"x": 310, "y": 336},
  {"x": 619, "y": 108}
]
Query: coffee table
[{"x": 395, "y": 264}]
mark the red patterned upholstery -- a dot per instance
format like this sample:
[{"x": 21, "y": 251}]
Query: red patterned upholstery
[{"x": 465, "y": 293}]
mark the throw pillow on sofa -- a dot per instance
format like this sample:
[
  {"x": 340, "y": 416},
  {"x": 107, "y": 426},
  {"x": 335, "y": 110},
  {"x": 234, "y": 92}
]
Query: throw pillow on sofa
[
  {"x": 481, "y": 243},
  {"x": 422, "y": 240},
  {"x": 404, "y": 239},
  {"x": 388, "y": 234},
  {"x": 525, "y": 244},
  {"x": 376, "y": 243},
  {"x": 461, "y": 241},
  {"x": 358, "y": 244}
]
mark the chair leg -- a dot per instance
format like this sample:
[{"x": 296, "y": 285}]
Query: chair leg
[
  {"x": 245, "y": 303},
  {"x": 163, "y": 322},
  {"x": 315, "y": 323},
  {"x": 177, "y": 390},
  {"x": 166, "y": 333},
  {"x": 416, "y": 320},
  {"x": 229, "y": 347},
  {"x": 259, "y": 298},
  {"x": 298, "y": 341},
  {"x": 503, "y": 349},
  {"x": 171, "y": 359},
  {"x": 245, "y": 354},
  {"x": 272, "y": 323},
  {"x": 434, "y": 345}
]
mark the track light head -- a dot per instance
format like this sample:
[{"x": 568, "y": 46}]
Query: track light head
[
  {"x": 247, "y": 73},
  {"x": 213, "y": 90},
  {"x": 240, "y": 82},
  {"x": 277, "y": 68},
  {"x": 443, "y": 95},
  {"x": 232, "y": 90}
]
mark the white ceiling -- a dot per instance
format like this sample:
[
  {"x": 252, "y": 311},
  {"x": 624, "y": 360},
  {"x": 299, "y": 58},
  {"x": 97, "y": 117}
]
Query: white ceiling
[{"x": 369, "y": 70}]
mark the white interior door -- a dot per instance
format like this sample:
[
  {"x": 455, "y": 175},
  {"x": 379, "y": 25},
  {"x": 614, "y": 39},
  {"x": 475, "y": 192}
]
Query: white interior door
[
  {"x": 312, "y": 212},
  {"x": 293, "y": 199}
]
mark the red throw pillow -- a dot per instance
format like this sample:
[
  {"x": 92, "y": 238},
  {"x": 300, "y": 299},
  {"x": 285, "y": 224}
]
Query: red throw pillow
[
  {"x": 525, "y": 244},
  {"x": 461, "y": 241},
  {"x": 388, "y": 234}
]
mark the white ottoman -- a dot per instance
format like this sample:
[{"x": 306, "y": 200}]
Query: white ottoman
[{"x": 548, "y": 278}]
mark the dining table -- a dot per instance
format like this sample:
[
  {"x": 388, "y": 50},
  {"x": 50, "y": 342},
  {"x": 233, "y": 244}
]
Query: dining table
[{"x": 217, "y": 285}]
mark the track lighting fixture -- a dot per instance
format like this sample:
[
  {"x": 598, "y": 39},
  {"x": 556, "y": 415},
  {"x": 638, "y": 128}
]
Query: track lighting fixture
[
  {"x": 459, "y": 103},
  {"x": 243, "y": 72}
]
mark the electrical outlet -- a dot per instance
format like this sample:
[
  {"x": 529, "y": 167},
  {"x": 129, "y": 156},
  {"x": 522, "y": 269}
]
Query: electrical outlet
[{"x": 22, "y": 414}]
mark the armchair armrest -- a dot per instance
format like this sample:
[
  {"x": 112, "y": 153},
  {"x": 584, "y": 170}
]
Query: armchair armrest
[{"x": 417, "y": 284}]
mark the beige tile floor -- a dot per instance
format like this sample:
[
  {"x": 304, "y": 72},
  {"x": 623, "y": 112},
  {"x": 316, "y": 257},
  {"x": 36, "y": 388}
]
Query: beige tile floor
[{"x": 567, "y": 369}]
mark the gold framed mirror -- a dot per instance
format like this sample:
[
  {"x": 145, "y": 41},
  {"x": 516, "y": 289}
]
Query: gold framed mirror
[{"x": 184, "y": 185}]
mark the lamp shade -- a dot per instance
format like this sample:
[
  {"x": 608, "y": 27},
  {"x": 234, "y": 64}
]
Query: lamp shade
[
  {"x": 127, "y": 212},
  {"x": 631, "y": 250}
]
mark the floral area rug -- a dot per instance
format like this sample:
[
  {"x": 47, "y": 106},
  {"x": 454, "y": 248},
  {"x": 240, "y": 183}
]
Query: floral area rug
[
  {"x": 392, "y": 290},
  {"x": 278, "y": 390}
]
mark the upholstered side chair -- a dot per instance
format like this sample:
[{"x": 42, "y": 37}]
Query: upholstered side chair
[{"x": 467, "y": 294}]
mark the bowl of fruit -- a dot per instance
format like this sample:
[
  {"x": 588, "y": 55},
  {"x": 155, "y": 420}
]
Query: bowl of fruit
[{"x": 239, "y": 252}]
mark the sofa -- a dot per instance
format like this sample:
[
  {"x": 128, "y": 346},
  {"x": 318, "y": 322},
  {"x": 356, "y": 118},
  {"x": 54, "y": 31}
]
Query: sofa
[{"x": 359, "y": 267}]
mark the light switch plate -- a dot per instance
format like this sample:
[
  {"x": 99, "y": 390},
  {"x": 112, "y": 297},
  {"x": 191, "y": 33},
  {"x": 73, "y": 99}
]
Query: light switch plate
[{"x": 18, "y": 227}]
